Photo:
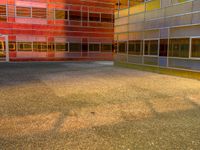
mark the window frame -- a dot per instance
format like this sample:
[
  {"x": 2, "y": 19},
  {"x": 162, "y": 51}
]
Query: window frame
[
  {"x": 106, "y": 43},
  {"x": 94, "y": 13},
  {"x": 151, "y": 39},
  {"x": 46, "y": 13},
  {"x": 189, "y": 55},
  {"x": 66, "y": 12},
  {"x": 18, "y": 43},
  {"x": 99, "y": 43},
  {"x": 23, "y": 16},
  {"x": 190, "y": 50},
  {"x": 141, "y": 48},
  {"x": 80, "y": 20},
  {"x": 6, "y": 13},
  {"x": 66, "y": 43}
]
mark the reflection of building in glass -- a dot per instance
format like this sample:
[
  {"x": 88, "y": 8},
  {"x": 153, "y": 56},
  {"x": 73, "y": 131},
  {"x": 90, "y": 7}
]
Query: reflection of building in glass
[
  {"x": 163, "y": 33},
  {"x": 57, "y": 29}
]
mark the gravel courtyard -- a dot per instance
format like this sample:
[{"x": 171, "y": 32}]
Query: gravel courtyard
[{"x": 95, "y": 106}]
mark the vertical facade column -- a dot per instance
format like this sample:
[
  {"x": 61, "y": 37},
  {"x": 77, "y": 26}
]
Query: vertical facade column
[{"x": 7, "y": 49}]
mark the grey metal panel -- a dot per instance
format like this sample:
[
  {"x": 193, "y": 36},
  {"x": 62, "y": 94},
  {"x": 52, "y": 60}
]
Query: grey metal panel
[
  {"x": 184, "y": 63},
  {"x": 166, "y": 3},
  {"x": 164, "y": 33},
  {"x": 150, "y": 60},
  {"x": 135, "y": 35},
  {"x": 154, "y": 24},
  {"x": 151, "y": 34},
  {"x": 149, "y": 15},
  {"x": 136, "y": 18},
  {"x": 163, "y": 61},
  {"x": 120, "y": 58},
  {"x": 196, "y": 5},
  {"x": 136, "y": 27},
  {"x": 179, "y": 9},
  {"x": 135, "y": 59},
  {"x": 196, "y": 18},
  {"x": 185, "y": 31}
]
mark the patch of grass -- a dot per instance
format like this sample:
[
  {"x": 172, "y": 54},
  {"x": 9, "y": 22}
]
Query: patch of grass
[{"x": 168, "y": 71}]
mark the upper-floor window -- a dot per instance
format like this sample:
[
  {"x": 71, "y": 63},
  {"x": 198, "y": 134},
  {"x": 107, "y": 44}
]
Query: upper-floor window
[
  {"x": 94, "y": 17},
  {"x": 85, "y": 16},
  {"x": 39, "y": 12},
  {"x": 75, "y": 15},
  {"x": 23, "y": 11},
  {"x": 61, "y": 14},
  {"x": 2, "y": 10},
  {"x": 34, "y": 12},
  {"x": 106, "y": 18},
  {"x": 3, "y": 13}
]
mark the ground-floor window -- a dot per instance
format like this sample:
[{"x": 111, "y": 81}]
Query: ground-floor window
[
  {"x": 61, "y": 47},
  {"x": 94, "y": 47},
  {"x": 12, "y": 46},
  {"x": 75, "y": 47},
  {"x": 122, "y": 47},
  {"x": 195, "y": 47},
  {"x": 151, "y": 47},
  {"x": 179, "y": 47},
  {"x": 24, "y": 46},
  {"x": 135, "y": 47},
  {"x": 39, "y": 46},
  {"x": 106, "y": 47}
]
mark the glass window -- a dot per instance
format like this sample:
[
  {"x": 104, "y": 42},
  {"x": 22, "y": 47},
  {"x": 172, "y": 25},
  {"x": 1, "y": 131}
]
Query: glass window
[
  {"x": 61, "y": 14},
  {"x": 106, "y": 18},
  {"x": 94, "y": 47},
  {"x": 163, "y": 47},
  {"x": 3, "y": 18},
  {"x": 122, "y": 47},
  {"x": 75, "y": 15},
  {"x": 135, "y": 47},
  {"x": 39, "y": 13},
  {"x": 106, "y": 47},
  {"x": 179, "y": 47},
  {"x": 23, "y": 11},
  {"x": 94, "y": 17},
  {"x": 51, "y": 47},
  {"x": 39, "y": 46},
  {"x": 24, "y": 46},
  {"x": 85, "y": 16},
  {"x": 151, "y": 47},
  {"x": 62, "y": 47},
  {"x": 196, "y": 47},
  {"x": 3, "y": 10},
  {"x": 12, "y": 46},
  {"x": 75, "y": 47},
  {"x": 2, "y": 45}
]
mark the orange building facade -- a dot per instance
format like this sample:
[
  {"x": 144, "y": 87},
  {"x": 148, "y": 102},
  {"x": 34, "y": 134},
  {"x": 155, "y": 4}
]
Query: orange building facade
[{"x": 57, "y": 29}]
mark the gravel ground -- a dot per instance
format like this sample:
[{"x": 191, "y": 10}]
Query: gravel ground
[{"x": 95, "y": 106}]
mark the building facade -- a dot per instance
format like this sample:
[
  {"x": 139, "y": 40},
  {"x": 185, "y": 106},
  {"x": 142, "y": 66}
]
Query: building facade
[
  {"x": 164, "y": 33},
  {"x": 57, "y": 29}
]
